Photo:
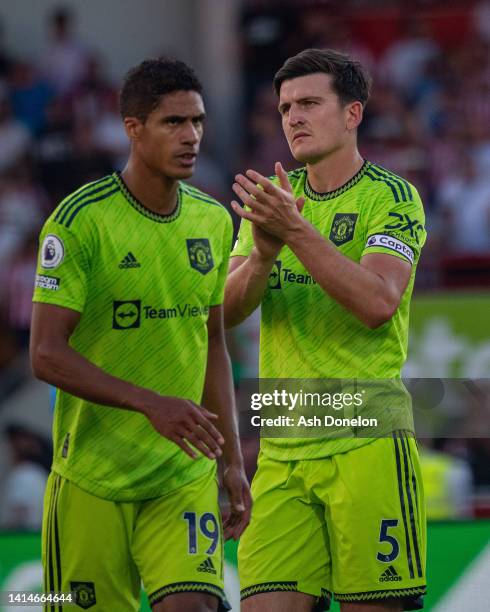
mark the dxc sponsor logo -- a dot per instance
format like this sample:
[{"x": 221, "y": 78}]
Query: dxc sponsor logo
[{"x": 405, "y": 224}]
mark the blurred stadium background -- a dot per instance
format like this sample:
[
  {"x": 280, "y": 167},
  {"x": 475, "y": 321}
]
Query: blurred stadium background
[{"x": 428, "y": 119}]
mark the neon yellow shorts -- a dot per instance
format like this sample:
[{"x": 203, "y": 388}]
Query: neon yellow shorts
[
  {"x": 352, "y": 524},
  {"x": 102, "y": 550}
]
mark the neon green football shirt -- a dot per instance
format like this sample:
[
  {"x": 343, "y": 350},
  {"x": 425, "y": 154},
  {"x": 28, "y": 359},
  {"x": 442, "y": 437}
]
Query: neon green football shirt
[
  {"x": 307, "y": 334},
  {"x": 143, "y": 284}
]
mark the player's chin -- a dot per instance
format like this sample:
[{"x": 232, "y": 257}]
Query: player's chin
[
  {"x": 303, "y": 158},
  {"x": 182, "y": 171},
  {"x": 308, "y": 157},
  {"x": 302, "y": 153}
]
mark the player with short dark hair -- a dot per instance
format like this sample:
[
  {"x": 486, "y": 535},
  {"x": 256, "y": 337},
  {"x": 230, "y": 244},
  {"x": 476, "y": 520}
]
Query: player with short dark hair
[
  {"x": 145, "y": 84},
  {"x": 329, "y": 251},
  {"x": 128, "y": 325},
  {"x": 348, "y": 77}
]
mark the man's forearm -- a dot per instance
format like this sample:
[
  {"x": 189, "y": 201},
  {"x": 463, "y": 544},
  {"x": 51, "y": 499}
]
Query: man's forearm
[
  {"x": 66, "y": 369},
  {"x": 245, "y": 288},
  {"x": 358, "y": 289},
  {"x": 219, "y": 397},
  {"x": 53, "y": 360}
]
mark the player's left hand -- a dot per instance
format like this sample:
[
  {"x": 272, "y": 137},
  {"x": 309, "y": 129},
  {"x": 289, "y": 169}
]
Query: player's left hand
[
  {"x": 273, "y": 208},
  {"x": 238, "y": 516}
]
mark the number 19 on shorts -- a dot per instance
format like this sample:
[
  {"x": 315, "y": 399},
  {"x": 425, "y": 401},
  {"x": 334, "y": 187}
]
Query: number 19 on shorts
[{"x": 209, "y": 528}]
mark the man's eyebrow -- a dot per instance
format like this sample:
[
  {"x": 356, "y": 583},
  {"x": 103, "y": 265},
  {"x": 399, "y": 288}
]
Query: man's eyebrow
[
  {"x": 312, "y": 97},
  {"x": 299, "y": 100},
  {"x": 173, "y": 117},
  {"x": 177, "y": 117}
]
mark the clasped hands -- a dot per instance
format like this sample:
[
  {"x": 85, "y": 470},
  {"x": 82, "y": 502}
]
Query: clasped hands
[{"x": 273, "y": 208}]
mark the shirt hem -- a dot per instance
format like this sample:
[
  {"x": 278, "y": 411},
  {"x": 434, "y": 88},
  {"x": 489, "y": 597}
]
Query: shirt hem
[
  {"x": 106, "y": 492},
  {"x": 286, "y": 453},
  {"x": 69, "y": 305}
]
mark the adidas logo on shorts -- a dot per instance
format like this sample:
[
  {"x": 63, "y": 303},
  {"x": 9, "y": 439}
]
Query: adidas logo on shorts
[
  {"x": 129, "y": 261},
  {"x": 390, "y": 575},
  {"x": 207, "y": 566}
]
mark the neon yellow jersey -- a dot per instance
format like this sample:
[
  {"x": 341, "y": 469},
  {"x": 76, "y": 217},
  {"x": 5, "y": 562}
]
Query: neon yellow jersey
[
  {"x": 307, "y": 334},
  {"x": 143, "y": 284}
]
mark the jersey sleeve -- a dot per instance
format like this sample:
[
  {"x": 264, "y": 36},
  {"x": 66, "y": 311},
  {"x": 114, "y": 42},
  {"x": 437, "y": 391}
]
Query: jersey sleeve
[
  {"x": 244, "y": 243},
  {"x": 226, "y": 242},
  {"x": 397, "y": 227},
  {"x": 63, "y": 267}
]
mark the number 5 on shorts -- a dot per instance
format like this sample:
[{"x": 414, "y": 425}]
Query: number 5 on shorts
[
  {"x": 385, "y": 537},
  {"x": 212, "y": 534}
]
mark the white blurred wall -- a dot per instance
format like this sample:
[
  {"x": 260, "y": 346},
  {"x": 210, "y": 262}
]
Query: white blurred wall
[{"x": 123, "y": 31}]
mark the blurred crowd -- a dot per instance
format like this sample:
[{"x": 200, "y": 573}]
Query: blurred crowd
[
  {"x": 22, "y": 489},
  {"x": 428, "y": 119},
  {"x": 59, "y": 128}
]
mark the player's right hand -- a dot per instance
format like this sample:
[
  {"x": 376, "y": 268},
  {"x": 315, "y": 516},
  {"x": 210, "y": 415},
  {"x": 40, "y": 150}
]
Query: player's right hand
[
  {"x": 267, "y": 245},
  {"x": 184, "y": 423}
]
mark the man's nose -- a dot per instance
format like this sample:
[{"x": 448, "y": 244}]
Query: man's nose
[
  {"x": 192, "y": 134},
  {"x": 295, "y": 117}
]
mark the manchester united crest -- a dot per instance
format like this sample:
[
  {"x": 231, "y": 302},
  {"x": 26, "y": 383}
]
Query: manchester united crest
[
  {"x": 343, "y": 227},
  {"x": 84, "y": 594},
  {"x": 200, "y": 256}
]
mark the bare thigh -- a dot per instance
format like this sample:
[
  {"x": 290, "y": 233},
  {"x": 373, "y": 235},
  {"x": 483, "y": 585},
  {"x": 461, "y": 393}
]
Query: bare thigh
[
  {"x": 279, "y": 602},
  {"x": 188, "y": 602}
]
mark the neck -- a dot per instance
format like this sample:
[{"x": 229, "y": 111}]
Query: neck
[
  {"x": 335, "y": 170},
  {"x": 155, "y": 191}
]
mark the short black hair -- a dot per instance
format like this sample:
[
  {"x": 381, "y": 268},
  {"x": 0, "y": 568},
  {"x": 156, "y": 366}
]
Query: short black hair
[
  {"x": 350, "y": 80},
  {"x": 144, "y": 85}
]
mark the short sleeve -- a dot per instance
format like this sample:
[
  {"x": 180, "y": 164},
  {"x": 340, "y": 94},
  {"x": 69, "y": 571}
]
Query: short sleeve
[
  {"x": 244, "y": 243},
  {"x": 63, "y": 267},
  {"x": 226, "y": 242},
  {"x": 397, "y": 227}
]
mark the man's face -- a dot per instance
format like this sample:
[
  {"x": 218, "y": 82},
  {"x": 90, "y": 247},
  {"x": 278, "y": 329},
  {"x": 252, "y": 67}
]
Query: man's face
[
  {"x": 313, "y": 119},
  {"x": 168, "y": 141}
]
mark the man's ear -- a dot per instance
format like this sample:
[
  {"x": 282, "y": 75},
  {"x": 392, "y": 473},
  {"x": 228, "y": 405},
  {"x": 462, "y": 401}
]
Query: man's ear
[
  {"x": 133, "y": 127},
  {"x": 353, "y": 118}
]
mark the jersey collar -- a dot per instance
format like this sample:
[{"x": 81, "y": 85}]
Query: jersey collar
[
  {"x": 141, "y": 208},
  {"x": 328, "y": 195}
]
